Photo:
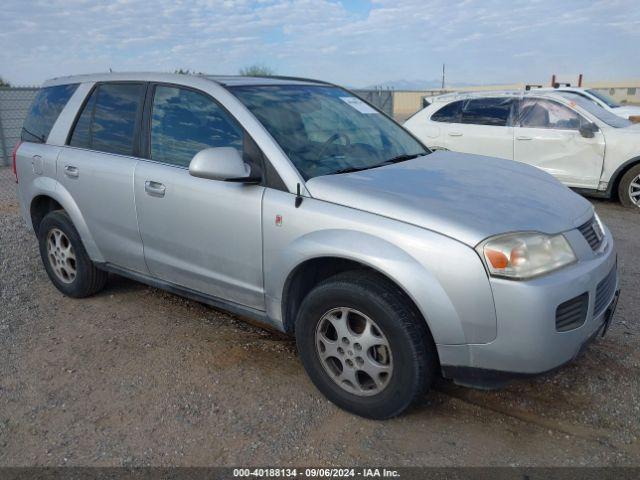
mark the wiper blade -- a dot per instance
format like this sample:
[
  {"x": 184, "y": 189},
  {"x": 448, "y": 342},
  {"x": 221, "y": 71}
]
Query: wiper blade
[
  {"x": 392, "y": 160},
  {"x": 402, "y": 158},
  {"x": 353, "y": 169}
]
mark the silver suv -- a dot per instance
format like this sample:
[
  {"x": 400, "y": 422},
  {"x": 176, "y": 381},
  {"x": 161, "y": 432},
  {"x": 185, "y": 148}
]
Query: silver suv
[{"x": 295, "y": 203}]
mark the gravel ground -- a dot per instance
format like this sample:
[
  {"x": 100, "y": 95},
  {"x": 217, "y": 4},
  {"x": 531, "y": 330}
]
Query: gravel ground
[{"x": 136, "y": 376}]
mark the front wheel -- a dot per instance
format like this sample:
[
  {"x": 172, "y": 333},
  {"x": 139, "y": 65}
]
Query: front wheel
[
  {"x": 363, "y": 346},
  {"x": 629, "y": 188}
]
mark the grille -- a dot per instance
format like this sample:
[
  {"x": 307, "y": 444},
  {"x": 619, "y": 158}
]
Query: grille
[
  {"x": 572, "y": 313},
  {"x": 605, "y": 290},
  {"x": 593, "y": 234}
]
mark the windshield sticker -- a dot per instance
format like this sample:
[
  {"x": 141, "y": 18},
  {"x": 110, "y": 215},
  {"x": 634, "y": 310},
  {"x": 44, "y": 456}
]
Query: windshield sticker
[{"x": 358, "y": 104}]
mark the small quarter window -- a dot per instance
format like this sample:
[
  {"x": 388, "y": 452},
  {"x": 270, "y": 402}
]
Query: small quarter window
[
  {"x": 184, "y": 122},
  {"x": 449, "y": 113},
  {"x": 44, "y": 112}
]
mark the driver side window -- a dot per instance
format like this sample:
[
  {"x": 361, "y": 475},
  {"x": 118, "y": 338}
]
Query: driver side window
[
  {"x": 541, "y": 113},
  {"x": 184, "y": 122}
]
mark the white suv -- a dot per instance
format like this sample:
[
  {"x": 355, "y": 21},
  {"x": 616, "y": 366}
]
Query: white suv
[
  {"x": 604, "y": 101},
  {"x": 583, "y": 145}
]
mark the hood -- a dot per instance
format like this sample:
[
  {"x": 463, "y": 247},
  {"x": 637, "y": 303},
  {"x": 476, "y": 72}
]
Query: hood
[{"x": 466, "y": 197}]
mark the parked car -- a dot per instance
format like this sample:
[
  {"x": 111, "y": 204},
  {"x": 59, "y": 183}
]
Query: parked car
[
  {"x": 584, "y": 146},
  {"x": 296, "y": 204},
  {"x": 603, "y": 100}
]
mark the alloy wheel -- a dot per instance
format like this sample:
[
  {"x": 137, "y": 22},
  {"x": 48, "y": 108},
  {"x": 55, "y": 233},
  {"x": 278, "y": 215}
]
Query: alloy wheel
[
  {"x": 634, "y": 191},
  {"x": 61, "y": 255},
  {"x": 353, "y": 351}
]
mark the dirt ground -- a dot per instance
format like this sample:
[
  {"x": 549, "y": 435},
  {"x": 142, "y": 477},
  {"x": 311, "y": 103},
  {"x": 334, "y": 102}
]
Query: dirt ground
[{"x": 136, "y": 376}]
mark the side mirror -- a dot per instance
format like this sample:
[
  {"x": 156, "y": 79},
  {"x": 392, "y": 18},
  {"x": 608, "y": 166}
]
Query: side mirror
[
  {"x": 222, "y": 163},
  {"x": 588, "y": 130}
]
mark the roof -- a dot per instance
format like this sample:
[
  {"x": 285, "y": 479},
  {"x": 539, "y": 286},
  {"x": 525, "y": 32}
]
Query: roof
[
  {"x": 537, "y": 92},
  {"x": 224, "y": 80}
]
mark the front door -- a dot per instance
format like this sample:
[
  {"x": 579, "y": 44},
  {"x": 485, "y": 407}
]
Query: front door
[
  {"x": 202, "y": 234},
  {"x": 547, "y": 136}
]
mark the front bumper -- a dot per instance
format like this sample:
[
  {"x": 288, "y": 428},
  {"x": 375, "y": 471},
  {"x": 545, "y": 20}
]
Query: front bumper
[{"x": 527, "y": 342}]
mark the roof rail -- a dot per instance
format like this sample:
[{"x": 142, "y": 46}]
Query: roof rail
[
  {"x": 529, "y": 87},
  {"x": 285, "y": 77}
]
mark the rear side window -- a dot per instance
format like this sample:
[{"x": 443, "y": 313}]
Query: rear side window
[
  {"x": 184, "y": 122},
  {"x": 449, "y": 113},
  {"x": 487, "y": 111},
  {"x": 109, "y": 118},
  {"x": 44, "y": 112}
]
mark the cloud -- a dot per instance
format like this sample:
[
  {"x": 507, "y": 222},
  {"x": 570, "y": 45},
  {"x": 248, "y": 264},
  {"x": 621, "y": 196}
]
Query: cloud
[{"x": 480, "y": 40}]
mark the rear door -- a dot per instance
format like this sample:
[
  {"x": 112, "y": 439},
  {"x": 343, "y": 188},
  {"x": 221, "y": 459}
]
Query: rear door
[
  {"x": 97, "y": 169},
  {"x": 480, "y": 125},
  {"x": 547, "y": 136},
  {"x": 202, "y": 234},
  {"x": 487, "y": 127}
]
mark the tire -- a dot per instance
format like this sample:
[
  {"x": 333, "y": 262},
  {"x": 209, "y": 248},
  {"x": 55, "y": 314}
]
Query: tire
[
  {"x": 66, "y": 261},
  {"x": 628, "y": 186},
  {"x": 411, "y": 358}
]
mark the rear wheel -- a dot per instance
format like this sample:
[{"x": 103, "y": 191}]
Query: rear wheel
[
  {"x": 364, "y": 346},
  {"x": 65, "y": 259},
  {"x": 629, "y": 188}
]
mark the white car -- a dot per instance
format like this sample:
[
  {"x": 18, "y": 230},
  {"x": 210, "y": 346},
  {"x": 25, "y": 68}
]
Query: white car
[
  {"x": 603, "y": 100},
  {"x": 583, "y": 145}
]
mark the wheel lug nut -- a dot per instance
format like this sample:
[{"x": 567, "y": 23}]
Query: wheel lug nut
[
  {"x": 357, "y": 346},
  {"x": 345, "y": 340},
  {"x": 349, "y": 362},
  {"x": 359, "y": 361},
  {"x": 340, "y": 351}
]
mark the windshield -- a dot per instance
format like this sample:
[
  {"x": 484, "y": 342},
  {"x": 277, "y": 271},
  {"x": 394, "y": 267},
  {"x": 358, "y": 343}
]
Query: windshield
[
  {"x": 326, "y": 130},
  {"x": 596, "y": 110},
  {"x": 610, "y": 102}
]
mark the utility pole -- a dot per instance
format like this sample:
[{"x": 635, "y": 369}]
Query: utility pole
[{"x": 443, "y": 76}]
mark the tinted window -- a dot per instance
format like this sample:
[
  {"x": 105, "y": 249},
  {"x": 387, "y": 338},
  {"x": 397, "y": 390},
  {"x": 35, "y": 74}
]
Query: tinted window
[
  {"x": 107, "y": 122},
  {"x": 184, "y": 122},
  {"x": 487, "y": 111},
  {"x": 449, "y": 113},
  {"x": 539, "y": 113},
  {"x": 44, "y": 112}
]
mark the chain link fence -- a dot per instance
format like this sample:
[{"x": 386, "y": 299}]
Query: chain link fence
[
  {"x": 382, "y": 99},
  {"x": 14, "y": 105},
  {"x": 8, "y": 188}
]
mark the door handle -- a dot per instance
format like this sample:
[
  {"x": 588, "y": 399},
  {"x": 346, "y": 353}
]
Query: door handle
[
  {"x": 71, "y": 171},
  {"x": 155, "y": 189},
  {"x": 522, "y": 137},
  {"x": 455, "y": 134}
]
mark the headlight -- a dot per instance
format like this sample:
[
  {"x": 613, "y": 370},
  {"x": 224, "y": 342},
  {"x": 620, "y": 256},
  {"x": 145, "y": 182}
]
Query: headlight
[{"x": 525, "y": 255}]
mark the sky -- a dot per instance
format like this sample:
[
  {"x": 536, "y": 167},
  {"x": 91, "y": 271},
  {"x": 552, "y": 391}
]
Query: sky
[{"x": 356, "y": 43}]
